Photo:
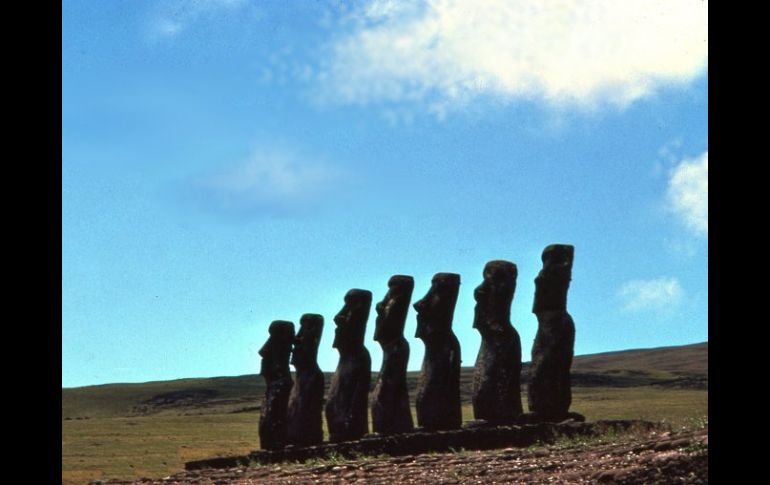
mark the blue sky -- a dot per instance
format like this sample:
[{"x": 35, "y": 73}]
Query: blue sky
[{"x": 227, "y": 163}]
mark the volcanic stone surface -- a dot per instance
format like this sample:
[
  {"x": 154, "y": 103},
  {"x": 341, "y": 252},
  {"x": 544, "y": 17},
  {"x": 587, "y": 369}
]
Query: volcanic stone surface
[
  {"x": 347, "y": 406},
  {"x": 496, "y": 380},
  {"x": 634, "y": 457},
  {"x": 391, "y": 413},
  {"x": 438, "y": 393},
  {"x": 305, "y": 413},
  {"x": 273, "y": 425},
  {"x": 487, "y": 438},
  {"x": 549, "y": 388}
]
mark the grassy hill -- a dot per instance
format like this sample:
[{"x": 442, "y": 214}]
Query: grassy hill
[
  {"x": 678, "y": 360},
  {"x": 681, "y": 367},
  {"x": 150, "y": 429}
]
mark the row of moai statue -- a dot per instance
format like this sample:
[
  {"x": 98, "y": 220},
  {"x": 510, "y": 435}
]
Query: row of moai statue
[{"x": 292, "y": 409}]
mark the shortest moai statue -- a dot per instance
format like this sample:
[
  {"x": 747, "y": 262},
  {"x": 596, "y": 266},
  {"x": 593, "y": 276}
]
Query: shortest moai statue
[
  {"x": 347, "y": 406},
  {"x": 273, "y": 429},
  {"x": 497, "y": 376},
  {"x": 437, "y": 402},
  {"x": 549, "y": 389},
  {"x": 390, "y": 400},
  {"x": 306, "y": 401}
]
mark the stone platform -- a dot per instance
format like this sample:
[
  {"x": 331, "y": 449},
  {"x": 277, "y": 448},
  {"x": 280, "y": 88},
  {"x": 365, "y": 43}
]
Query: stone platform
[{"x": 476, "y": 438}]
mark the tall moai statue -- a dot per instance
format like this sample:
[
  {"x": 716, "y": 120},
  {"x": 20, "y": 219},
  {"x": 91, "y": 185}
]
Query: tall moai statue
[
  {"x": 497, "y": 376},
  {"x": 347, "y": 407},
  {"x": 549, "y": 388},
  {"x": 391, "y": 413},
  {"x": 307, "y": 396},
  {"x": 273, "y": 426},
  {"x": 438, "y": 393}
]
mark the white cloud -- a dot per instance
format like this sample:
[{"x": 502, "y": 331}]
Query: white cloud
[
  {"x": 566, "y": 52},
  {"x": 688, "y": 193},
  {"x": 167, "y": 27},
  {"x": 268, "y": 181},
  {"x": 661, "y": 294},
  {"x": 173, "y": 16},
  {"x": 680, "y": 247}
]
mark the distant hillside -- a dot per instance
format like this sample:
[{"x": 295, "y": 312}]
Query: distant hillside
[
  {"x": 681, "y": 360},
  {"x": 226, "y": 394},
  {"x": 682, "y": 366}
]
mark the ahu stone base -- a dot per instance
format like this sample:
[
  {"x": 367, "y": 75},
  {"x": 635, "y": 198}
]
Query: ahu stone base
[{"x": 474, "y": 438}]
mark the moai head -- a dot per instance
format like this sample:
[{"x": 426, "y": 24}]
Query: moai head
[
  {"x": 275, "y": 352},
  {"x": 436, "y": 309},
  {"x": 305, "y": 352},
  {"x": 351, "y": 320},
  {"x": 494, "y": 296},
  {"x": 552, "y": 282},
  {"x": 392, "y": 310}
]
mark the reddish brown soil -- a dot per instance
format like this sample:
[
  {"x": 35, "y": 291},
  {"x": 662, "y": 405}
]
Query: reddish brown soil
[{"x": 650, "y": 458}]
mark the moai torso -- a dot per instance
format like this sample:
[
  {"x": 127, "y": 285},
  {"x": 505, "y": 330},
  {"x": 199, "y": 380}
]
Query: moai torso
[
  {"x": 391, "y": 413},
  {"x": 347, "y": 405},
  {"x": 438, "y": 394},
  {"x": 273, "y": 425},
  {"x": 305, "y": 413},
  {"x": 497, "y": 375},
  {"x": 549, "y": 388}
]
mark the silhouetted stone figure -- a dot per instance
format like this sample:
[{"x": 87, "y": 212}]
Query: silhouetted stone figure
[
  {"x": 273, "y": 431},
  {"x": 347, "y": 406},
  {"x": 306, "y": 401},
  {"x": 497, "y": 376},
  {"x": 549, "y": 388},
  {"x": 438, "y": 393},
  {"x": 390, "y": 400}
]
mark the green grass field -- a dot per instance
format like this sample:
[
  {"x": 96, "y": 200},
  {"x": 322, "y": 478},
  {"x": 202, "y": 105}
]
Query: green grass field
[{"x": 111, "y": 432}]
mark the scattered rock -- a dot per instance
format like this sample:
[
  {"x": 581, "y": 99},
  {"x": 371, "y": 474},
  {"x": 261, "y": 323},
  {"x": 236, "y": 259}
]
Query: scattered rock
[
  {"x": 680, "y": 443},
  {"x": 614, "y": 475},
  {"x": 598, "y": 463},
  {"x": 663, "y": 445}
]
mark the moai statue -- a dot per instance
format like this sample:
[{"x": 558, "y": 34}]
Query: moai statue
[
  {"x": 347, "y": 407},
  {"x": 273, "y": 429},
  {"x": 438, "y": 393},
  {"x": 307, "y": 396},
  {"x": 390, "y": 401},
  {"x": 549, "y": 389},
  {"x": 497, "y": 376}
]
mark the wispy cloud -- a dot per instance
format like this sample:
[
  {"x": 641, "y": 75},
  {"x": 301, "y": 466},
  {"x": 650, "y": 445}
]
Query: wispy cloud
[
  {"x": 660, "y": 294},
  {"x": 566, "y": 53},
  {"x": 269, "y": 181},
  {"x": 688, "y": 193},
  {"x": 684, "y": 248},
  {"x": 172, "y": 17}
]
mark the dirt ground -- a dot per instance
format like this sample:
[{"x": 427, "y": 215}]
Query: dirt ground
[{"x": 654, "y": 457}]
